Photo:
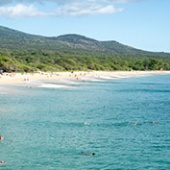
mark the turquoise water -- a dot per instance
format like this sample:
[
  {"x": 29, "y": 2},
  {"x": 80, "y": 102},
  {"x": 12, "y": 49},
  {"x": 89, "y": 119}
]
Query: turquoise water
[{"x": 47, "y": 128}]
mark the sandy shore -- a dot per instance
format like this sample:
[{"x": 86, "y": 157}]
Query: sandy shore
[{"x": 18, "y": 78}]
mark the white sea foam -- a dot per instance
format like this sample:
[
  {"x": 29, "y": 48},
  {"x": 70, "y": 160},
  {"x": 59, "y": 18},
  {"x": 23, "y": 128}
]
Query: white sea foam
[
  {"x": 86, "y": 123},
  {"x": 120, "y": 76},
  {"x": 67, "y": 81},
  {"x": 53, "y": 86},
  {"x": 91, "y": 79},
  {"x": 107, "y": 77}
]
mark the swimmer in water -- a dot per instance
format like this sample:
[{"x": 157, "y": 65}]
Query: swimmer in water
[
  {"x": 155, "y": 122},
  {"x": 2, "y": 162},
  {"x": 1, "y": 138},
  {"x": 88, "y": 154},
  {"x": 135, "y": 124},
  {"x": 92, "y": 154}
]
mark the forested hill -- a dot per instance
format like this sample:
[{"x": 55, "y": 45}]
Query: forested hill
[
  {"x": 84, "y": 43},
  {"x": 12, "y": 39},
  {"x": 25, "y": 52}
]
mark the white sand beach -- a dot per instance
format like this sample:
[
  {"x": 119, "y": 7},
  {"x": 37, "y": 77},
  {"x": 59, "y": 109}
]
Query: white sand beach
[{"x": 18, "y": 78}]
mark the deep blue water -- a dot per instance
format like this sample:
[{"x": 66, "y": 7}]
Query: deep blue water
[{"x": 48, "y": 128}]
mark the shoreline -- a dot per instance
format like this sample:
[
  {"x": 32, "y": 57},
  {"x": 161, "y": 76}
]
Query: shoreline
[{"x": 22, "y": 79}]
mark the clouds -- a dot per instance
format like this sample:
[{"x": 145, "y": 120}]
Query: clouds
[
  {"x": 63, "y": 1},
  {"x": 20, "y": 10},
  {"x": 29, "y": 8},
  {"x": 78, "y": 9}
]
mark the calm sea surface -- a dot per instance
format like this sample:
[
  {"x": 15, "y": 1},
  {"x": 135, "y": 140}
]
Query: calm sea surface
[{"x": 125, "y": 122}]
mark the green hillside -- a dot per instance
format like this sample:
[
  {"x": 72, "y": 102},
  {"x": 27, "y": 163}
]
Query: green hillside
[{"x": 24, "y": 52}]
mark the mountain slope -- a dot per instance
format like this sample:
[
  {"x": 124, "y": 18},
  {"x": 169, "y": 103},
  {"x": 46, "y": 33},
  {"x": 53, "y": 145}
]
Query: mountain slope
[
  {"x": 24, "y": 52},
  {"x": 12, "y": 39}
]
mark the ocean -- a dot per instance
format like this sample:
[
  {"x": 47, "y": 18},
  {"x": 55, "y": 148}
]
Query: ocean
[{"x": 56, "y": 126}]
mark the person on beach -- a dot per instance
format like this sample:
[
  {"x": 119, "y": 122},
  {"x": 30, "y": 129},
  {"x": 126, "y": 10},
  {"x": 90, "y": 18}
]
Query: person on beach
[
  {"x": 1, "y": 72},
  {"x": 1, "y": 138}
]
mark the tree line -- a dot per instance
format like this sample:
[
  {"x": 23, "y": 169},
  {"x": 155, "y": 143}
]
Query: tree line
[{"x": 67, "y": 60}]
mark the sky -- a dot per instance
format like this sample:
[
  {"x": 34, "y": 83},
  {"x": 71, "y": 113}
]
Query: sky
[{"x": 143, "y": 24}]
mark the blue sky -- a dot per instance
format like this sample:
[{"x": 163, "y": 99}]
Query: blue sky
[{"x": 142, "y": 24}]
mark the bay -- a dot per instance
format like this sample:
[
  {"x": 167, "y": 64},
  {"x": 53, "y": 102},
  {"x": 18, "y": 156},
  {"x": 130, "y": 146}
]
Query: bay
[{"x": 125, "y": 122}]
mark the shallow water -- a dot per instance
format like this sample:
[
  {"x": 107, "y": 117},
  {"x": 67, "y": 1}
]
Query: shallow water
[{"x": 47, "y": 128}]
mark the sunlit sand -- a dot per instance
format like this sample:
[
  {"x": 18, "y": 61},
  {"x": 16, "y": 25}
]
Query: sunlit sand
[{"x": 18, "y": 78}]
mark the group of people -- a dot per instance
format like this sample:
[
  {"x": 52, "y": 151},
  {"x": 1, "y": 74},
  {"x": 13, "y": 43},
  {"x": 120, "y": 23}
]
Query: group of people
[{"x": 1, "y": 138}]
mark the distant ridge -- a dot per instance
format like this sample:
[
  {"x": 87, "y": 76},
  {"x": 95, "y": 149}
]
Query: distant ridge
[
  {"x": 22, "y": 52},
  {"x": 13, "y": 39}
]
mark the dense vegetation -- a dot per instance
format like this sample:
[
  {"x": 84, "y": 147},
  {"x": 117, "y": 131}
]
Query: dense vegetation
[
  {"x": 33, "y": 60},
  {"x": 23, "y": 52}
]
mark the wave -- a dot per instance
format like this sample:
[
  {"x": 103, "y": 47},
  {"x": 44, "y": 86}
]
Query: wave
[
  {"x": 91, "y": 79},
  {"x": 54, "y": 86},
  {"x": 107, "y": 77},
  {"x": 67, "y": 82}
]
